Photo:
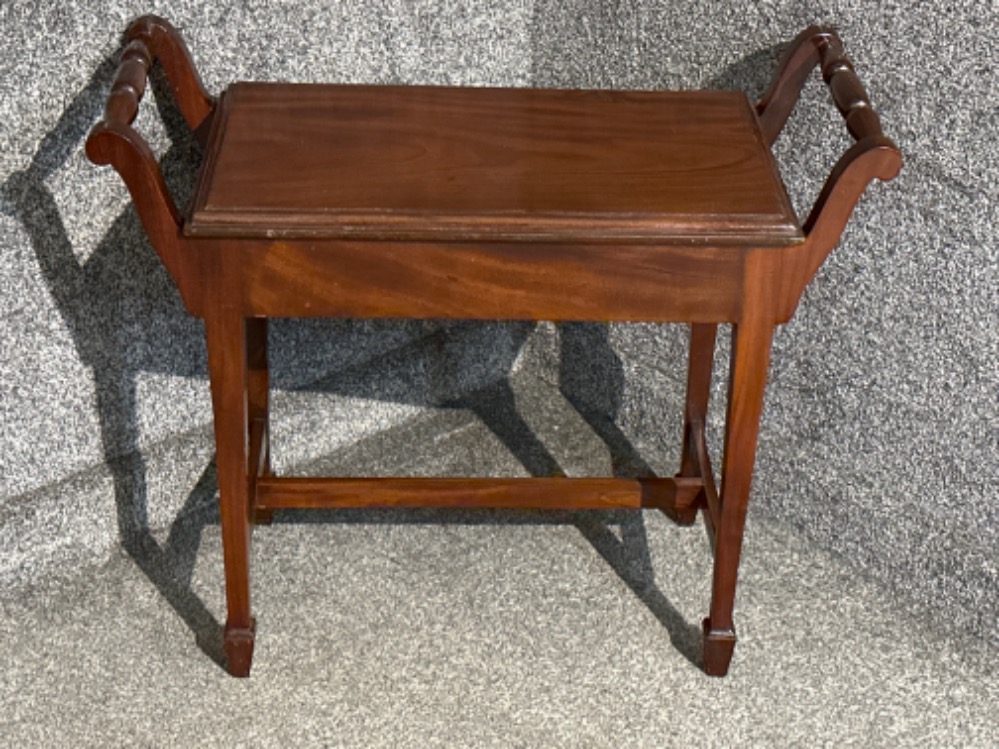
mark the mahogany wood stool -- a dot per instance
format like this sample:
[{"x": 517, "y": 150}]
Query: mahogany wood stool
[{"x": 482, "y": 204}]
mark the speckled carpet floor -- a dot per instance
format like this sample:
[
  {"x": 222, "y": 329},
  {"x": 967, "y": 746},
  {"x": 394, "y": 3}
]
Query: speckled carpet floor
[{"x": 476, "y": 629}]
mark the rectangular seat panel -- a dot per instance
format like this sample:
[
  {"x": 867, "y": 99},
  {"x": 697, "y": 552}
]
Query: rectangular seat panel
[{"x": 470, "y": 164}]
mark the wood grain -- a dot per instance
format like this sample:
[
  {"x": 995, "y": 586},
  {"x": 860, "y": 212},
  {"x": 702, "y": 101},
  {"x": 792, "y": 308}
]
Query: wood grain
[
  {"x": 750, "y": 357},
  {"x": 511, "y": 281},
  {"x": 671, "y": 495},
  {"x": 390, "y": 162}
]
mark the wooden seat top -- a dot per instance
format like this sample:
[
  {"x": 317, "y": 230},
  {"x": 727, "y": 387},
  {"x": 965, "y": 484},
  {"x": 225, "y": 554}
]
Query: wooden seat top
[{"x": 462, "y": 164}]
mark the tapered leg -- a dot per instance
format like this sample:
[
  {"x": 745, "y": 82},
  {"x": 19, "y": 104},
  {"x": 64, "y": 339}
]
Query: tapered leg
[
  {"x": 750, "y": 357},
  {"x": 702, "y": 354},
  {"x": 227, "y": 362},
  {"x": 258, "y": 395}
]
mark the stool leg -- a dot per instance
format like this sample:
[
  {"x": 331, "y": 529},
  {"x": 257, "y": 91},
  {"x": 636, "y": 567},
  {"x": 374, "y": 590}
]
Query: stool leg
[
  {"x": 750, "y": 358},
  {"x": 258, "y": 395},
  {"x": 702, "y": 354},
  {"x": 227, "y": 363}
]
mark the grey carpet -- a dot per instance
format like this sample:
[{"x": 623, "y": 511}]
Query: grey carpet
[{"x": 447, "y": 628}]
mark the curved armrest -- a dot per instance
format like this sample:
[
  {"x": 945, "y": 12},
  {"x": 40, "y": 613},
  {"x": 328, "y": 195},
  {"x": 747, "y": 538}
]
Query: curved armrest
[
  {"x": 113, "y": 140},
  {"x": 872, "y": 156},
  {"x": 823, "y": 47},
  {"x": 167, "y": 46}
]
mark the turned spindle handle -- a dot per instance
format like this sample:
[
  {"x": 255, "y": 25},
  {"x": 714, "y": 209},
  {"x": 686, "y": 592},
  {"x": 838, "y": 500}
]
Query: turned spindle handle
[
  {"x": 129, "y": 84},
  {"x": 820, "y": 47},
  {"x": 846, "y": 88},
  {"x": 151, "y": 38}
]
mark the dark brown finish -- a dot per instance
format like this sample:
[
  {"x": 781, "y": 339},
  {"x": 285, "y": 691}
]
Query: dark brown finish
[
  {"x": 692, "y": 462},
  {"x": 673, "y": 496},
  {"x": 167, "y": 46},
  {"x": 363, "y": 201},
  {"x": 226, "y": 331},
  {"x": 258, "y": 407},
  {"x": 872, "y": 156},
  {"x": 482, "y": 281},
  {"x": 750, "y": 357},
  {"x": 113, "y": 141},
  {"x": 710, "y": 501},
  {"x": 452, "y": 164},
  {"x": 822, "y": 47},
  {"x": 718, "y": 648}
]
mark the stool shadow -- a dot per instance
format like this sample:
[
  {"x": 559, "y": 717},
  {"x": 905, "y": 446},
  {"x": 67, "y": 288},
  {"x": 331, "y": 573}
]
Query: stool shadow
[
  {"x": 122, "y": 288},
  {"x": 752, "y": 73}
]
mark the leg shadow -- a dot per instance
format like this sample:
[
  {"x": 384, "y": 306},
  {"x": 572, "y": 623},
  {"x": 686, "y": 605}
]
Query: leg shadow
[
  {"x": 630, "y": 559},
  {"x": 496, "y": 407},
  {"x": 591, "y": 377}
]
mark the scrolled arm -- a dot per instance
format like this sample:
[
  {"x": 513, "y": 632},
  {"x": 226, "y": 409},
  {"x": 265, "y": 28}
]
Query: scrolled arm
[
  {"x": 873, "y": 155},
  {"x": 113, "y": 140}
]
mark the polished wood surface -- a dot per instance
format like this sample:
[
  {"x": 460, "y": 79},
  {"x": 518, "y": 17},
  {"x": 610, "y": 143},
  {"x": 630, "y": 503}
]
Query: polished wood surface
[
  {"x": 699, "y": 367},
  {"x": 674, "y": 496},
  {"x": 410, "y": 162},
  {"x": 478, "y": 281},
  {"x": 365, "y": 201}
]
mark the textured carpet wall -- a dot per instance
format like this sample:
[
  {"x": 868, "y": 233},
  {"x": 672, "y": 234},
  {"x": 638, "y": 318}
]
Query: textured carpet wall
[{"x": 879, "y": 438}]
